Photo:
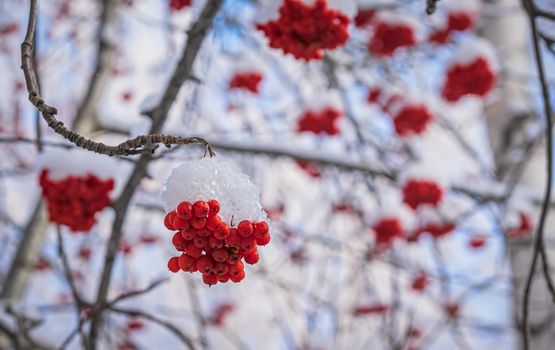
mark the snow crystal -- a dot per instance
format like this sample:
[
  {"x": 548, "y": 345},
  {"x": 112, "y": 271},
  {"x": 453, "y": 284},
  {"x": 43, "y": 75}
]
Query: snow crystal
[
  {"x": 212, "y": 178},
  {"x": 473, "y": 6}
]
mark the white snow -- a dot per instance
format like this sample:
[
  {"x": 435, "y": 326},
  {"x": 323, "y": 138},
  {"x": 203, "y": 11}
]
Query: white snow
[
  {"x": 471, "y": 49},
  {"x": 214, "y": 178}
]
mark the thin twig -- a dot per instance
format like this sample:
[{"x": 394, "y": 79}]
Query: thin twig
[
  {"x": 140, "y": 144},
  {"x": 138, "y": 313},
  {"x": 137, "y": 293},
  {"x": 539, "y": 247}
]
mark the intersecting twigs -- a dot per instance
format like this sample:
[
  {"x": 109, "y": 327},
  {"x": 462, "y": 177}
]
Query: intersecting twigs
[
  {"x": 137, "y": 293},
  {"x": 187, "y": 341},
  {"x": 137, "y": 145},
  {"x": 539, "y": 245}
]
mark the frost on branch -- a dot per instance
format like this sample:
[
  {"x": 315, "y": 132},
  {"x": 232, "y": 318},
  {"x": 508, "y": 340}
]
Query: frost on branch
[{"x": 219, "y": 220}]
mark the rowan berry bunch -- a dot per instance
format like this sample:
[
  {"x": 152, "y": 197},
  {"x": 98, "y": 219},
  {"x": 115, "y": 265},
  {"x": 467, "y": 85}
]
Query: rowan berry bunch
[
  {"x": 306, "y": 31},
  {"x": 325, "y": 121},
  {"x": 211, "y": 246},
  {"x": 389, "y": 37},
  {"x": 74, "y": 200},
  {"x": 417, "y": 192},
  {"x": 177, "y": 5},
  {"x": 475, "y": 78},
  {"x": 457, "y": 21},
  {"x": 249, "y": 81}
]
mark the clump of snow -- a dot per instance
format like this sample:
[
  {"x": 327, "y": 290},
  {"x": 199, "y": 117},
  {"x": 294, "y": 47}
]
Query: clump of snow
[
  {"x": 473, "y": 48},
  {"x": 392, "y": 205},
  {"x": 213, "y": 178},
  {"x": 62, "y": 163}
]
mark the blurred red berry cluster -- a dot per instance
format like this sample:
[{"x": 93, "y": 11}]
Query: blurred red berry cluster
[
  {"x": 249, "y": 81},
  {"x": 389, "y": 37},
  {"x": 322, "y": 122},
  {"x": 176, "y": 5},
  {"x": 74, "y": 200},
  {"x": 306, "y": 31},
  {"x": 456, "y": 21},
  {"x": 411, "y": 119},
  {"x": 475, "y": 78},
  {"x": 421, "y": 192},
  {"x": 211, "y": 246}
]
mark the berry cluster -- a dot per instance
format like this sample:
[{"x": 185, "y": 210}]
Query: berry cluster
[
  {"x": 305, "y": 31},
  {"x": 456, "y": 22},
  {"x": 323, "y": 122},
  {"x": 75, "y": 200},
  {"x": 211, "y": 246},
  {"x": 422, "y": 192},
  {"x": 365, "y": 17},
  {"x": 387, "y": 229},
  {"x": 176, "y": 5},
  {"x": 249, "y": 81},
  {"x": 389, "y": 37},
  {"x": 523, "y": 229},
  {"x": 411, "y": 119},
  {"x": 476, "y": 78}
]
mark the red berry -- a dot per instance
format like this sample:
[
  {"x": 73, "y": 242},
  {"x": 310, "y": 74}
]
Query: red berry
[
  {"x": 179, "y": 223},
  {"x": 193, "y": 251},
  {"x": 173, "y": 264},
  {"x": 264, "y": 240},
  {"x": 221, "y": 268},
  {"x": 209, "y": 279},
  {"x": 244, "y": 229},
  {"x": 214, "y": 207},
  {"x": 234, "y": 240},
  {"x": 187, "y": 263},
  {"x": 215, "y": 243},
  {"x": 223, "y": 278},
  {"x": 252, "y": 257},
  {"x": 185, "y": 210},
  {"x": 198, "y": 222},
  {"x": 168, "y": 220},
  {"x": 201, "y": 209},
  {"x": 260, "y": 229},
  {"x": 220, "y": 255},
  {"x": 233, "y": 258},
  {"x": 248, "y": 244},
  {"x": 237, "y": 272},
  {"x": 213, "y": 222},
  {"x": 189, "y": 234},
  {"x": 200, "y": 242},
  {"x": 178, "y": 241},
  {"x": 204, "y": 233},
  {"x": 205, "y": 264},
  {"x": 222, "y": 231}
]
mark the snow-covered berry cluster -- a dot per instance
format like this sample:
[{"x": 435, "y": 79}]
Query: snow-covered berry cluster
[
  {"x": 177, "y": 5},
  {"x": 417, "y": 192},
  {"x": 74, "y": 200},
  {"x": 391, "y": 32},
  {"x": 325, "y": 121},
  {"x": 460, "y": 16},
  {"x": 217, "y": 217},
  {"x": 474, "y": 78},
  {"x": 409, "y": 116},
  {"x": 247, "y": 80},
  {"x": 211, "y": 246},
  {"x": 304, "y": 30}
]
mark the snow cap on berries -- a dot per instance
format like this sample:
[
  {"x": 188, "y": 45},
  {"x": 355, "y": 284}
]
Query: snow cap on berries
[
  {"x": 472, "y": 49},
  {"x": 213, "y": 178},
  {"x": 62, "y": 163}
]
